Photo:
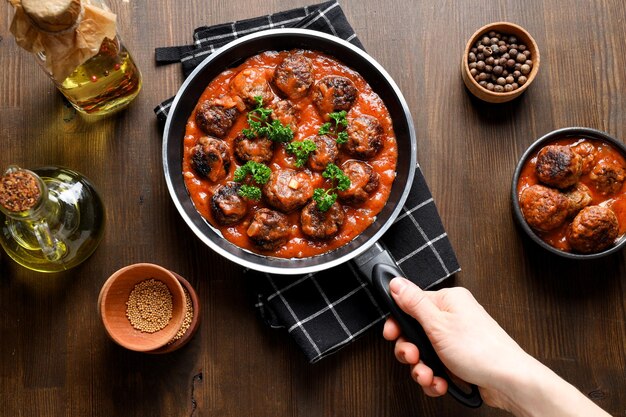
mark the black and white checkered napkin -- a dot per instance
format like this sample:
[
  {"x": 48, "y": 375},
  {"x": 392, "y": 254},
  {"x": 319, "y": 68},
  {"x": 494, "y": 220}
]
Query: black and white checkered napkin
[{"x": 327, "y": 310}]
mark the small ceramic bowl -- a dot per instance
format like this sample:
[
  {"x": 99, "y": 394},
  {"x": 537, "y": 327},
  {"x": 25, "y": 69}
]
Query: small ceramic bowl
[
  {"x": 112, "y": 306},
  {"x": 509, "y": 29},
  {"x": 565, "y": 133}
]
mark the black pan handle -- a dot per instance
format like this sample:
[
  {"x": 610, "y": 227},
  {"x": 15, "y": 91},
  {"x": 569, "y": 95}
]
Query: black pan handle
[{"x": 382, "y": 274}]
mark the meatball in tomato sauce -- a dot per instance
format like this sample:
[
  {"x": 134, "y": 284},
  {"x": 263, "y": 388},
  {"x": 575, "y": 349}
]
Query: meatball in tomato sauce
[
  {"x": 216, "y": 117},
  {"x": 334, "y": 93},
  {"x": 593, "y": 230},
  {"x": 294, "y": 75},
  {"x": 268, "y": 229},
  {"x": 288, "y": 190},
  {"x": 558, "y": 166},
  {"x": 543, "y": 208},
  {"x": 227, "y": 206},
  {"x": 259, "y": 150},
  {"x": 210, "y": 158},
  {"x": 321, "y": 224},
  {"x": 251, "y": 83},
  {"x": 363, "y": 182},
  {"x": 286, "y": 113},
  {"x": 607, "y": 176},
  {"x": 326, "y": 152},
  {"x": 365, "y": 137}
]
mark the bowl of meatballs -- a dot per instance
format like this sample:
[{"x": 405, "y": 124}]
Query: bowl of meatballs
[
  {"x": 280, "y": 151},
  {"x": 569, "y": 193}
]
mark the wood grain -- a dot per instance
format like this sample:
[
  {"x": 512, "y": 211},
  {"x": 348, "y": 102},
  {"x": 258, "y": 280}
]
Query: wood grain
[{"x": 55, "y": 357}]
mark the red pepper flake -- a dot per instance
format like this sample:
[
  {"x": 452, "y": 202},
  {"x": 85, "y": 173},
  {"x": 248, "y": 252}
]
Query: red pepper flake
[
  {"x": 94, "y": 78},
  {"x": 19, "y": 191},
  {"x": 116, "y": 67}
]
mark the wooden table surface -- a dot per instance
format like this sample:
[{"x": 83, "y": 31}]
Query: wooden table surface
[{"x": 55, "y": 359}]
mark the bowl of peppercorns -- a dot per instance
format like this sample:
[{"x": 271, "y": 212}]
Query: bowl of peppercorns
[{"x": 500, "y": 62}]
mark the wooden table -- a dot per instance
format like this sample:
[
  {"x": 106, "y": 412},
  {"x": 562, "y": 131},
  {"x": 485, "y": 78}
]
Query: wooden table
[{"x": 55, "y": 359}]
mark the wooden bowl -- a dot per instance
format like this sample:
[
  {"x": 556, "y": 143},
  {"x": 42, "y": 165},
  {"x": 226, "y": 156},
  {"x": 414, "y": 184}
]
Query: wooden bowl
[
  {"x": 193, "y": 326},
  {"x": 112, "y": 306},
  {"x": 504, "y": 28}
]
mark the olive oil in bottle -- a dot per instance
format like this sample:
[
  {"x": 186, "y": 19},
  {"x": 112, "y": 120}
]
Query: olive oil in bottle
[
  {"x": 104, "y": 83},
  {"x": 51, "y": 219},
  {"x": 76, "y": 43}
]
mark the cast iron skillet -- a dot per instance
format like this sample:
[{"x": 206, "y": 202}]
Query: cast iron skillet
[{"x": 364, "y": 249}]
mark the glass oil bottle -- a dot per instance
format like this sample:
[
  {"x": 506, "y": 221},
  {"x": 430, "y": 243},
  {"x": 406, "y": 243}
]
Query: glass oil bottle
[{"x": 51, "y": 219}]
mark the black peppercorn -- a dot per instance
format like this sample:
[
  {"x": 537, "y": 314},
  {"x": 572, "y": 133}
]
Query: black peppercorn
[
  {"x": 521, "y": 58},
  {"x": 480, "y": 47},
  {"x": 525, "y": 69},
  {"x": 481, "y": 57},
  {"x": 490, "y": 61},
  {"x": 521, "y": 48},
  {"x": 510, "y": 63},
  {"x": 513, "y": 52},
  {"x": 488, "y": 68},
  {"x": 508, "y": 88},
  {"x": 509, "y": 79},
  {"x": 522, "y": 80},
  {"x": 497, "y": 70},
  {"x": 501, "y": 81},
  {"x": 529, "y": 63},
  {"x": 512, "y": 39},
  {"x": 498, "y": 88},
  {"x": 503, "y": 48},
  {"x": 471, "y": 57},
  {"x": 490, "y": 86},
  {"x": 487, "y": 51},
  {"x": 480, "y": 65}
]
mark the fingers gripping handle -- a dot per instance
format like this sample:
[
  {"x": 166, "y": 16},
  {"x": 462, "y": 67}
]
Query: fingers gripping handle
[{"x": 382, "y": 274}]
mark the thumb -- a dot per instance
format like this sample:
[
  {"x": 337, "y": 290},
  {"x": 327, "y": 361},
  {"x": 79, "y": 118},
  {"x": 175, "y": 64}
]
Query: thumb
[{"x": 413, "y": 301}]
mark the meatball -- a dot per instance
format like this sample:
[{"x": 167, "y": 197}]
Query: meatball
[
  {"x": 288, "y": 190},
  {"x": 543, "y": 208},
  {"x": 321, "y": 224},
  {"x": 558, "y": 166},
  {"x": 285, "y": 112},
  {"x": 294, "y": 75},
  {"x": 607, "y": 176},
  {"x": 269, "y": 229},
  {"x": 227, "y": 206},
  {"x": 594, "y": 229},
  {"x": 588, "y": 154},
  {"x": 363, "y": 181},
  {"x": 259, "y": 150},
  {"x": 210, "y": 158},
  {"x": 251, "y": 83},
  {"x": 365, "y": 137},
  {"x": 334, "y": 93},
  {"x": 216, "y": 117},
  {"x": 326, "y": 151},
  {"x": 579, "y": 197}
]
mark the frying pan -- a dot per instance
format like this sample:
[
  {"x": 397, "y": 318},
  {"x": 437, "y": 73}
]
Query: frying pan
[{"x": 369, "y": 255}]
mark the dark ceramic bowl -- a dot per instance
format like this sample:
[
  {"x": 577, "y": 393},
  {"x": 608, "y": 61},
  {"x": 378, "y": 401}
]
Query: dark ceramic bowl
[{"x": 568, "y": 132}]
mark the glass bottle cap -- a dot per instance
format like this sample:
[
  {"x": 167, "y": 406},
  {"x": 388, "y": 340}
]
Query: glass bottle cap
[{"x": 53, "y": 15}]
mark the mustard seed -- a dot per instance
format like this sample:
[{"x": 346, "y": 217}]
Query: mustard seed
[
  {"x": 149, "y": 306},
  {"x": 186, "y": 320}
]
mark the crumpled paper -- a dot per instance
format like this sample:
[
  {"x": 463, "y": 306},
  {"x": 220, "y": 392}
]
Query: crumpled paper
[{"x": 65, "y": 50}]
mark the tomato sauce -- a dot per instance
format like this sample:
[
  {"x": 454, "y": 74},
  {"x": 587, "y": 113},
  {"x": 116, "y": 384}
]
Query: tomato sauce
[
  {"x": 357, "y": 217},
  {"x": 616, "y": 202}
]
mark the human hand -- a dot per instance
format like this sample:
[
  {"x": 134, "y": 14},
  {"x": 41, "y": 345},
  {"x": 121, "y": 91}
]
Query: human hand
[
  {"x": 468, "y": 341},
  {"x": 475, "y": 348}
]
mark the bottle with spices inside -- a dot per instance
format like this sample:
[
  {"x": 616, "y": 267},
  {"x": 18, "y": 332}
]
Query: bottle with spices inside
[
  {"x": 76, "y": 43},
  {"x": 50, "y": 220}
]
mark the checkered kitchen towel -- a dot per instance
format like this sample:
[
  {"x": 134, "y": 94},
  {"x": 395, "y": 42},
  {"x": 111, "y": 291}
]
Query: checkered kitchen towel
[{"x": 327, "y": 310}]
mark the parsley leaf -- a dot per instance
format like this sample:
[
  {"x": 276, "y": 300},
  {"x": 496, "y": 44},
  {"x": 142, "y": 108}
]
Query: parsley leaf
[
  {"x": 301, "y": 150},
  {"x": 326, "y": 198},
  {"x": 260, "y": 172},
  {"x": 250, "y": 192},
  {"x": 260, "y": 126},
  {"x": 340, "y": 123}
]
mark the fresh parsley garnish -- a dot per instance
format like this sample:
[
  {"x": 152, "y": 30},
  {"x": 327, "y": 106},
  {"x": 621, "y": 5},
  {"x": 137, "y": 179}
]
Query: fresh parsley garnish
[
  {"x": 301, "y": 150},
  {"x": 260, "y": 125},
  {"x": 325, "y": 198},
  {"x": 336, "y": 128},
  {"x": 260, "y": 175},
  {"x": 250, "y": 192},
  {"x": 260, "y": 172}
]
